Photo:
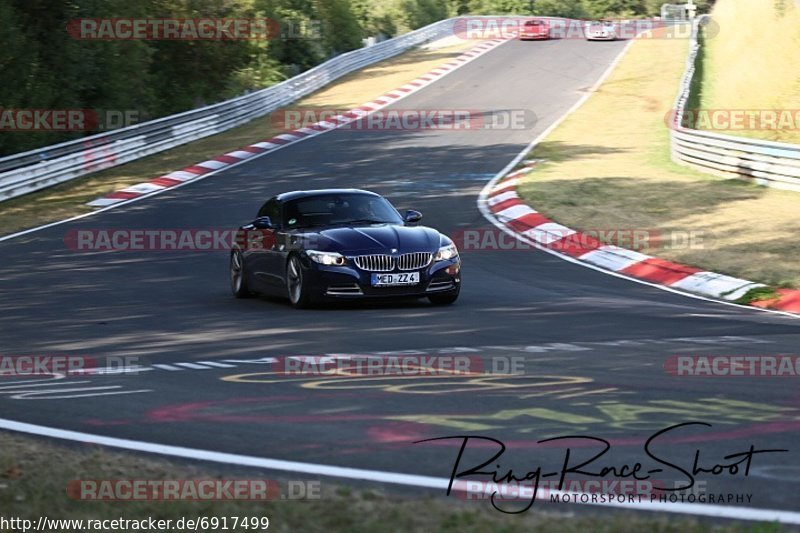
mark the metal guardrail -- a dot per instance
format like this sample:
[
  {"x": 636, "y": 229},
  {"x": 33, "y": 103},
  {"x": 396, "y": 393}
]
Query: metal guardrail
[
  {"x": 30, "y": 171},
  {"x": 767, "y": 163}
]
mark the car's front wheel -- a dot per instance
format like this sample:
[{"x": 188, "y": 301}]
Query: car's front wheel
[
  {"x": 296, "y": 284},
  {"x": 238, "y": 277}
]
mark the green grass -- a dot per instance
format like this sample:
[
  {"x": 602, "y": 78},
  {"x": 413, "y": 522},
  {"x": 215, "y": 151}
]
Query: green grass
[
  {"x": 758, "y": 294},
  {"x": 753, "y": 62}
]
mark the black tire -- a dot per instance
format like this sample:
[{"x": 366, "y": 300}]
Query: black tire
[
  {"x": 296, "y": 285},
  {"x": 444, "y": 299},
  {"x": 238, "y": 276}
]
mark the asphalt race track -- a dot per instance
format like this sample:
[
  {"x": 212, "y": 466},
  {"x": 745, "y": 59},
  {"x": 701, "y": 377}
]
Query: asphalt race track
[{"x": 593, "y": 346}]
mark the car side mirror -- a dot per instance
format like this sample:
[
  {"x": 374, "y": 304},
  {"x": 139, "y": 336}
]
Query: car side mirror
[
  {"x": 412, "y": 216},
  {"x": 262, "y": 223}
]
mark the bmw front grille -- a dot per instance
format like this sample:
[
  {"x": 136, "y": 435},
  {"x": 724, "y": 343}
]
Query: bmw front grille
[
  {"x": 387, "y": 263},
  {"x": 375, "y": 263},
  {"x": 414, "y": 261}
]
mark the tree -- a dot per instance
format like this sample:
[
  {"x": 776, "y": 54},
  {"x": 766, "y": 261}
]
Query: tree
[
  {"x": 394, "y": 17},
  {"x": 340, "y": 27},
  {"x": 46, "y": 67},
  {"x": 560, "y": 8},
  {"x": 300, "y": 47},
  {"x": 191, "y": 73},
  {"x": 615, "y": 8},
  {"x": 457, "y": 7},
  {"x": 500, "y": 7},
  {"x": 423, "y": 12},
  {"x": 384, "y": 17}
]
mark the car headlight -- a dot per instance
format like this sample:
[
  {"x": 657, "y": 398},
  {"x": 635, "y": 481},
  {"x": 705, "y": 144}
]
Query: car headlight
[
  {"x": 446, "y": 252},
  {"x": 326, "y": 258}
]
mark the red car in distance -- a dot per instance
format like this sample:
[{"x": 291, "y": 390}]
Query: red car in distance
[{"x": 534, "y": 29}]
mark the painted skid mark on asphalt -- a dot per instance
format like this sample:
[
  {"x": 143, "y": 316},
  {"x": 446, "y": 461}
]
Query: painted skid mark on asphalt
[
  {"x": 625, "y": 424},
  {"x": 552, "y": 347},
  {"x": 564, "y": 402},
  {"x": 566, "y": 399}
]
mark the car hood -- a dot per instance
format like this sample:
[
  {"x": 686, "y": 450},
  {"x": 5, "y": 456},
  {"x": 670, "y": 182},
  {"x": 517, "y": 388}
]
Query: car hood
[{"x": 375, "y": 239}]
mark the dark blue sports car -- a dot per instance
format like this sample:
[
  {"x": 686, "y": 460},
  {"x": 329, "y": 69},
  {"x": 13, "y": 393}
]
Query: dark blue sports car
[{"x": 324, "y": 245}]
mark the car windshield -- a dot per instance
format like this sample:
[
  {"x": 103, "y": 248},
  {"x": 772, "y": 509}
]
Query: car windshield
[
  {"x": 339, "y": 209},
  {"x": 534, "y": 23}
]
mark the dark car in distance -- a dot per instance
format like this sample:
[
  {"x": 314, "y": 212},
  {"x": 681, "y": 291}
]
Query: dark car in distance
[{"x": 336, "y": 244}]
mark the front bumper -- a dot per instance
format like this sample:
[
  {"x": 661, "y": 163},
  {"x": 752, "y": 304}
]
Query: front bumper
[
  {"x": 601, "y": 37},
  {"x": 350, "y": 282},
  {"x": 533, "y": 36}
]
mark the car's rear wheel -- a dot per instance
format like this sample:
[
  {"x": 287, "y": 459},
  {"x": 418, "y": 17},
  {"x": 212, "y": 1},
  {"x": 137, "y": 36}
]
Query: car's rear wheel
[
  {"x": 444, "y": 299},
  {"x": 238, "y": 276},
  {"x": 296, "y": 284}
]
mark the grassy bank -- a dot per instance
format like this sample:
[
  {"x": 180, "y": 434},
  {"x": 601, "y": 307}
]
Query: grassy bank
[
  {"x": 754, "y": 62},
  {"x": 608, "y": 167}
]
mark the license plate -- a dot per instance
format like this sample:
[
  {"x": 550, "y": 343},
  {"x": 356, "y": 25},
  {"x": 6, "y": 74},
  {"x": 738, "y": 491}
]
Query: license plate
[{"x": 393, "y": 280}]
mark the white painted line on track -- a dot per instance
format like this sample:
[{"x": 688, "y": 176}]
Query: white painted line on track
[
  {"x": 218, "y": 365},
  {"x": 193, "y": 366},
  {"x": 166, "y": 367}
]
